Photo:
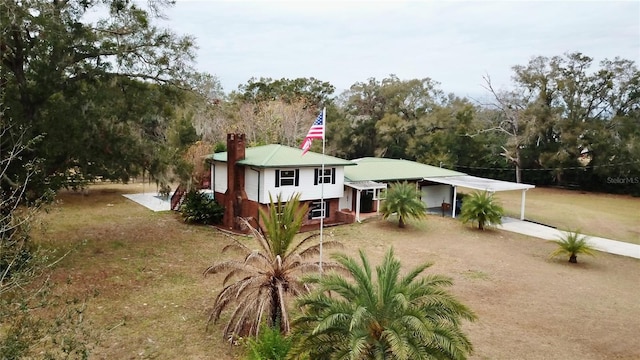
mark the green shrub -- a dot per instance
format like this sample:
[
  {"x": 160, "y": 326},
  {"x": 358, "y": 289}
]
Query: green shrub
[
  {"x": 269, "y": 345},
  {"x": 572, "y": 244},
  {"x": 201, "y": 208},
  {"x": 403, "y": 199}
]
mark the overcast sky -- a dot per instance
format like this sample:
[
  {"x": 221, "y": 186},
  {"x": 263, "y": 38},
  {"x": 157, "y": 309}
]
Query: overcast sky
[{"x": 452, "y": 42}]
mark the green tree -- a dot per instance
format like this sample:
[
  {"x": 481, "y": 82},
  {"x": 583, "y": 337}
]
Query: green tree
[
  {"x": 391, "y": 317},
  {"x": 97, "y": 89},
  {"x": 383, "y": 114},
  {"x": 404, "y": 200},
  {"x": 571, "y": 118},
  {"x": 481, "y": 207},
  {"x": 572, "y": 244},
  {"x": 448, "y": 136},
  {"x": 266, "y": 279},
  {"x": 312, "y": 92},
  {"x": 25, "y": 282}
]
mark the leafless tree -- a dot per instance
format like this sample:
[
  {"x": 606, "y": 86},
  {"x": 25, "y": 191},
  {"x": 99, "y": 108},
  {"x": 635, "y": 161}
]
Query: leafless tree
[{"x": 512, "y": 122}]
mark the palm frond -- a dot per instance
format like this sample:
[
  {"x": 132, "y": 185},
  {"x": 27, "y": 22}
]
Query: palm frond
[
  {"x": 304, "y": 242},
  {"x": 257, "y": 235},
  {"x": 282, "y": 222},
  {"x": 397, "y": 340},
  {"x": 235, "y": 246},
  {"x": 388, "y": 273},
  {"x": 413, "y": 274},
  {"x": 228, "y": 265},
  {"x": 257, "y": 259},
  {"x": 314, "y": 250}
]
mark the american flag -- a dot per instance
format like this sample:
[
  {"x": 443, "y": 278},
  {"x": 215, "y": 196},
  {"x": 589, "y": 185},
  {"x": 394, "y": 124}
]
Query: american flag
[{"x": 315, "y": 132}]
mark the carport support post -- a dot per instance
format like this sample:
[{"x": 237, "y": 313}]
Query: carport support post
[
  {"x": 524, "y": 191},
  {"x": 211, "y": 172},
  {"x": 453, "y": 206},
  {"x": 358, "y": 205}
]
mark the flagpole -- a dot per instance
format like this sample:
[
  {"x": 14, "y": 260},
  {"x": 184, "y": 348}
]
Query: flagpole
[{"x": 324, "y": 130}]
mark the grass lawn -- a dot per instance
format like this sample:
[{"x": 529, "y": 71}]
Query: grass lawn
[
  {"x": 616, "y": 217},
  {"x": 141, "y": 275}
]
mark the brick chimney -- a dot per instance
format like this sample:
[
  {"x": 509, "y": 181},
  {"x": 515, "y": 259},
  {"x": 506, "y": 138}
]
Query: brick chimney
[{"x": 235, "y": 194}]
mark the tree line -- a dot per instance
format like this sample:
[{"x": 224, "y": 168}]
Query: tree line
[{"x": 565, "y": 121}]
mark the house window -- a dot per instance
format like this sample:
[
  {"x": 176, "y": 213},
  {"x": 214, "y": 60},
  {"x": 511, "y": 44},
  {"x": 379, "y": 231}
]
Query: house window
[
  {"x": 316, "y": 211},
  {"x": 287, "y": 177},
  {"x": 279, "y": 207},
  {"x": 328, "y": 177}
]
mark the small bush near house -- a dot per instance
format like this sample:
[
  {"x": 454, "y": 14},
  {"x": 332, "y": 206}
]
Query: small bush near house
[{"x": 200, "y": 208}]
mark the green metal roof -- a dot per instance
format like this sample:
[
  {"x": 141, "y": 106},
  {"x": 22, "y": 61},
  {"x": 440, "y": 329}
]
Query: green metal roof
[
  {"x": 281, "y": 156},
  {"x": 381, "y": 169}
]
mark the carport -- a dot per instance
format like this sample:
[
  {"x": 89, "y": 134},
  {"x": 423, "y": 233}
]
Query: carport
[{"x": 483, "y": 184}]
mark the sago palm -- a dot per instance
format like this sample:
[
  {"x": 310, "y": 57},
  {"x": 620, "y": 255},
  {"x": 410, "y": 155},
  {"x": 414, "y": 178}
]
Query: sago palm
[
  {"x": 386, "y": 316},
  {"x": 481, "y": 207},
  {"x": 261, "y": 282},
  {"x": 403, "y": 199},
  {"x": 572, "y": 244}
]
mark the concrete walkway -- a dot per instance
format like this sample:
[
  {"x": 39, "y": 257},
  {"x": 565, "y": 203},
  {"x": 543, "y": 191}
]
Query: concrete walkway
[
  {"x": 549, "y": 233},
  {"x": 151, "y": 201}
]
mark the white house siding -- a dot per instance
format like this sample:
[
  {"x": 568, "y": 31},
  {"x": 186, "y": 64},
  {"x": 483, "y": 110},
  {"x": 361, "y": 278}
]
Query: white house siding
[
  {"x": 305, "y": 187},
  {"x": 435, "y": 195},
  {"x": 251, "y": 183},
  {"x": 220, "y": 177},
  {"x": 345, "y": 200}
]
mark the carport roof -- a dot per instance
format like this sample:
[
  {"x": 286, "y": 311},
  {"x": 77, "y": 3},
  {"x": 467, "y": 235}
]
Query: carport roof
[
  {"x": 478, "y": 183},
  {"x": 383, "y": 169}
]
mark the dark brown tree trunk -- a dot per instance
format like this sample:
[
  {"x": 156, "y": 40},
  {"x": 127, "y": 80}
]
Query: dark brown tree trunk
[
  {"x": 276, "y": 316},
  {"x": 401, "y": 222},
  {"x": 481, "y": 225},
  {"x": 573, "y": 258}
]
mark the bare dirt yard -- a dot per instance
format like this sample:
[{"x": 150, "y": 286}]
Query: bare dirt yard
[{"x": 140, "y": 274}]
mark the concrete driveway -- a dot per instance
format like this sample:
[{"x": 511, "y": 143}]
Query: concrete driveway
[{"x": 549, "y": 233}]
